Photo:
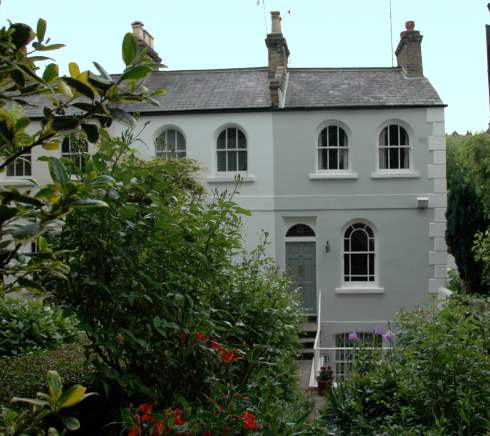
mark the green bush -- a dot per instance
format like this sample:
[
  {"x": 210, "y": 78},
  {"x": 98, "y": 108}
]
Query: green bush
[
  {"x": 435, "y": 381},
  {"x": 159, "y": 273},
  {"x": 28, "y": 325}
]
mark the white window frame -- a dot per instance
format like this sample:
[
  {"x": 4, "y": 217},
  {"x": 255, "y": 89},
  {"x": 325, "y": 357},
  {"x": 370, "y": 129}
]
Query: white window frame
[
  {"x": 360, "y": 287},
  {"x": 26, "y": 161},
  {"x": 325, "y": 173},
  {"x": 328, "y": 147},
  {"x": 166, "y": 152},
  {"x": 234, "y": 150}
]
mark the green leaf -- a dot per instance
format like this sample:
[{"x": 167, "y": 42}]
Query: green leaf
[
  {"x": 41, "y": 29},
  {"x": 101, "y": 84},
  {"x": 65, "y": 123},
  {"x": 102, "y": 71},
  {"x": 22, "y": 123},
  {"x": 89, "y": 202},
  {"x": 123, "y": 117},
  {"x": 73, "y": 396},
  {"x": 74, "y": 70},
  {"x": 81, "y": 87},
  {"x": 51, "y": 72},
  {"x": 54, "y": 384},
  {"x": 31, "y": 401},
  {"x": 42, "y": 244},
  {"x": 137, "y": 72},
  {"x": 58, "y": 171},
  {"x": 53, "y": 432},
  {"x": 71, "y": 423},
  {"x": 129, "y": 48},
  {"x": 51, "y": 47},
  {"x": 30, "y": 285},
  {"x": 92, "y": 132}
]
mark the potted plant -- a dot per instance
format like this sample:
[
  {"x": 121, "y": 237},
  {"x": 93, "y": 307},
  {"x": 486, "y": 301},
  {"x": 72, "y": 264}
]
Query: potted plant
[{"x": 324, "y": 379}]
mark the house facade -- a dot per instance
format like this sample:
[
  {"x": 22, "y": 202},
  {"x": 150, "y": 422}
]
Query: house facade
[{"x": 343, "y": 168}]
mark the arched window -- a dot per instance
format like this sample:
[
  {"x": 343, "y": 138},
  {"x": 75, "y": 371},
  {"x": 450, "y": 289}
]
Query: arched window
[
  {"x": 359, "y": 252},
  {"x": 394, "y": 148},
  {"x": 300, "y": 230},
  {"x": 21, "y": 166},
  {"x": 333, "y": 149},
  {"x": 170, "y": 144},
  {"x": 75, "y": 149},
  {"x": 232, "y": 150}
]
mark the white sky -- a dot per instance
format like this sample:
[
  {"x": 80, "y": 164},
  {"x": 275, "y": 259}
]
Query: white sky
[{"x": 197, "y": 34}]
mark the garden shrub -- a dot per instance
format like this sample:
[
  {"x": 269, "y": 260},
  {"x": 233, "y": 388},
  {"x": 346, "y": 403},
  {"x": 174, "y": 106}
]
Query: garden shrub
[
  {"x": 158, "y": 277},
  {"x": 435, "y": 381},
  {"x": 27, "y": 325}
]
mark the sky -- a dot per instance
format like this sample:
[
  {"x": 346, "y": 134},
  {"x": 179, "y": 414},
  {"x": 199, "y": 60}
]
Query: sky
[{"x": 200, "y": 34}]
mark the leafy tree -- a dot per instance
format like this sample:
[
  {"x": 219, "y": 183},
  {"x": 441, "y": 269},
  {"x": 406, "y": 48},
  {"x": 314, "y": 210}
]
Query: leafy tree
[
  {"x": 466, "y": 208},
  {"x": 79, "y": 104}
]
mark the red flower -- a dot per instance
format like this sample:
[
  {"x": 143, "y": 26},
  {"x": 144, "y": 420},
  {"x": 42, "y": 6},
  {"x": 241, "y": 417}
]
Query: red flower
[
  {"x": 200, "y": 337},
  {"x": 214, "y": 344},
  {"x": 249, "y": 420},
  {"x": 157, "y": 428},
  {"x": 227, "y": 356},
  {"x": 133, "y": 431},
  {"x": 179, "y": 420},
  {"x": 146, "y": 418},
  {"x": 145, "y": 409}
]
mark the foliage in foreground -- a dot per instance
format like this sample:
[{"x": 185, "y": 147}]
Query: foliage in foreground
[
  {"x": 78, "y": 105},
  {"x": 171, "y": 305},
  {"x": 34, "y": 422},
  {"x": 435, "y": 381},
  {"x": 28, "y": 325}
]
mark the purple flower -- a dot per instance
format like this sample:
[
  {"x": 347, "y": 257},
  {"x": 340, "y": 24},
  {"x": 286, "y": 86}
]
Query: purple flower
[
  {"x": 378, "y": 331},
  {"x": 353, "y": 337},
  {"x": 389, "y": 336}
]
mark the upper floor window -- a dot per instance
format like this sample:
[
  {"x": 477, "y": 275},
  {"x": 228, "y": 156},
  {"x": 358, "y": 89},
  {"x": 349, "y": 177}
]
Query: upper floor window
[
  {"x": 359, "y": 252},
  {"x": 75, "y": 149},
  {"x": 232, "y": 150},
  {"x": 333, "y": 149},
  {"x": 21, "y": 166},
  {"x": 170, "y": 144},
  {"x": 394, "y": 148}
]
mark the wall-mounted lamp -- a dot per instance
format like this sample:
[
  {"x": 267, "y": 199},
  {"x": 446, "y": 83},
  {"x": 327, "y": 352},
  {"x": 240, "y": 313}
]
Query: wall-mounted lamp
[
  {"x": 327, "y": 247},
  {"x": 422, "y": 202}
]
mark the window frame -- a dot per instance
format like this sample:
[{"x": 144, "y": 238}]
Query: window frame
[
  {"x": 409, "y": 147},
  {"x": 227, "y": 172},
  {"x": 78, "y": 157},
  {"x": 24, "y": 162},
  {"x": 164, "y": 131},
  {"x": 319, "y": 148}
]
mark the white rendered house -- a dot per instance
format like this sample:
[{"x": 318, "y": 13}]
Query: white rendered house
[{"x": 343, "y": 167}]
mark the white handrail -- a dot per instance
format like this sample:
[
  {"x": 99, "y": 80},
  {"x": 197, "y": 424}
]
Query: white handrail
[{"x": 316, "y": 345}]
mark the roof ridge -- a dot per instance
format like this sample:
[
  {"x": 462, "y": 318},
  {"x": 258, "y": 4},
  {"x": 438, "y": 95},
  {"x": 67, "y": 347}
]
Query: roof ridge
[{"x": 213, "y": 70}]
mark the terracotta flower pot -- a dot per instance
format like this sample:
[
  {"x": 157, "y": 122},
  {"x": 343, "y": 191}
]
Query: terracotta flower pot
[{"x": 323, "y": 386}]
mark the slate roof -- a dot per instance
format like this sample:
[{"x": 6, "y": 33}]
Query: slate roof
[
  {"x": 247, "y": 89},
  {"x": 307, "y": 88}
]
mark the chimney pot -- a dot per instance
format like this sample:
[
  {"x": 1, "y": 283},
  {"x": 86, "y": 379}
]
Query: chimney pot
[
  {"x": 276, "y": 22},
  {"x": 145, "y": 39},
  {"x": 410, "y": 25}
]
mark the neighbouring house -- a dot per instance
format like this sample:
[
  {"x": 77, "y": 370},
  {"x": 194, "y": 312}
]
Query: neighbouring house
[{"x": 344, "y": 168}]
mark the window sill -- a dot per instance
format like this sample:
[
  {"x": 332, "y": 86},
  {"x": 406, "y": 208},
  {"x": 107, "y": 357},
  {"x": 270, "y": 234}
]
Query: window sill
[
  {"x": 395, "y": 174},
  {"x": 231, "y": 178},
  {"x": 360, "y": 290},
  {"x": 333, "y": 175}
]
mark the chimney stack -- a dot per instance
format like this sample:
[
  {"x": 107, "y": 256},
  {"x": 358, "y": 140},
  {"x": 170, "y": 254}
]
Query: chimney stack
[
  {"x": 409, "y": 51},
  {"x": 277, "y": 45},
  {"x": 145, "y": 40},
  {"x": 278, "y": 60}
]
